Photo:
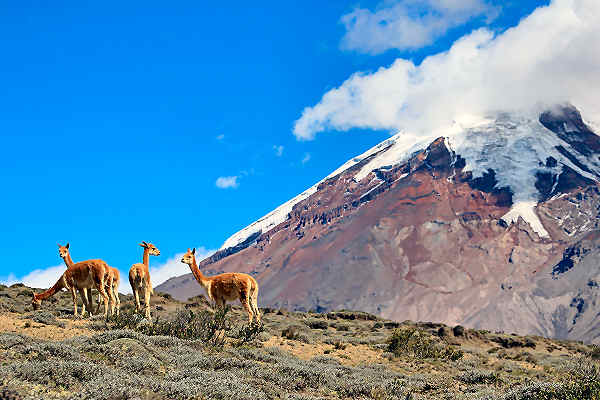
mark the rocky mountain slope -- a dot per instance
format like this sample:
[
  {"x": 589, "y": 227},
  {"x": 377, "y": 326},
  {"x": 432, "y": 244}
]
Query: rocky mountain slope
[{"x": 491, "y": 223}]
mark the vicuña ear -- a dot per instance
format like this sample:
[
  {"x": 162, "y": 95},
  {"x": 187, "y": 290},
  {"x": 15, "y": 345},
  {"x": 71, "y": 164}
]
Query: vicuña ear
[
  {"x": 194, "y": 251},
  {"x": 142, "y": 244},
  {"x": 67, "y": 246},
  {"x": 145, "y": 244},
  {"x": 58, "y": 244}
]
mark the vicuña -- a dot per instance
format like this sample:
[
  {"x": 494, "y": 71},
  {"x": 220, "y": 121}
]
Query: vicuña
[
  {"x": 139, "y": 278},
  {"x": 227, "y": 287},
  {"x": 79, "y": 277}
]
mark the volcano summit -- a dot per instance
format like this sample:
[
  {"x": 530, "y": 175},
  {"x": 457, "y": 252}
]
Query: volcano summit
[{"x": 492, "y": 223}]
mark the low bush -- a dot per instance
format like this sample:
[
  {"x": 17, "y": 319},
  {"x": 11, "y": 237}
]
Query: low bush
[
  {"x": 341, "y": 327},
  {"x": 185, "y": 324},
  {"x": 594, "y": 352},
  {"x": 478, "y": 376},
  {"x": 377, "y": 325},
  {"x": 294, "y": 332},
  {"x": 247, "y": 333},
  {"x": 458, "y": 330},
  {"x": 316, "y": 323},
  {"x": 44, "y": 317},
  {"x": 418, "y": 344}
]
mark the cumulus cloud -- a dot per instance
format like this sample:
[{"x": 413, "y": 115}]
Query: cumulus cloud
[
  {"x": 174, "y": 267},
  {"x": 39, "y": 278},
  {"x": 408, "y": 24},
  {"x": 227, "y": 182},
  {"x": 278, "y": 150},
  {"x": 552, "y": 56}
]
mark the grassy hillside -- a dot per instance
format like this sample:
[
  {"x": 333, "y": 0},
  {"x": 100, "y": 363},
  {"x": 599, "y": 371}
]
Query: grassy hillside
[{"x": 192, "y": 353}]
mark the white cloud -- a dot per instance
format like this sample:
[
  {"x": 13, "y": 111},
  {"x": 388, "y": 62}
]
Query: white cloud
[
  {"x": 408, "y": 24},
  {"x": 306, "y": 158},
  {"x": 220, "y": 137},
  {"x": 226, "y": 182},
  {"x": 552, "y": 56},
  {"x": 278, "y": 150},
  {"x": 174, "y": 267},
  {"x": 39, "y": 278}
]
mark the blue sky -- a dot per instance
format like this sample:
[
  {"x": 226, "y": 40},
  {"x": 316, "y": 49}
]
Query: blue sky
[{"x": 117, "y": 119}]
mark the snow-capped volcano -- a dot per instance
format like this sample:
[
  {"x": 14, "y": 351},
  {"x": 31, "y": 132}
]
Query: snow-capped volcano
[
  {"x": 492, "y": 223},
  {"x": 518, "y": 148}
]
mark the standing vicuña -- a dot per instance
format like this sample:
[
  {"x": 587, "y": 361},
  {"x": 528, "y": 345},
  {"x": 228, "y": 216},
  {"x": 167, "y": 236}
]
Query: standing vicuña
[
  {"x": 227, "y": 287},
  {"x": 81, "y": 277},
  {"x": 139, "y": 278}
]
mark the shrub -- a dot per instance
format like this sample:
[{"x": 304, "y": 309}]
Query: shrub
[
  {"x": 478, "y": 376},
  {"x": 594, "y": 352},
  {"x": 315, "y": 323},
  {"x": 458, "y": 330},
  {"x": 185, "y": 324},
  {"x": 10, "y": 339},
  {"x": 418, "y": 344},
  {"x": 292, "y": 332},
  {"x": 248, "y": 333},
  {"x": 44, "y": 317},
  {"x": 377, "y": 325},
  {"x": 342, "y": 327}
]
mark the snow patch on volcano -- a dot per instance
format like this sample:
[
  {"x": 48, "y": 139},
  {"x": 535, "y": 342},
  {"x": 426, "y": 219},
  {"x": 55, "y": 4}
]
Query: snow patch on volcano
[{"x": 515, "y": 146}]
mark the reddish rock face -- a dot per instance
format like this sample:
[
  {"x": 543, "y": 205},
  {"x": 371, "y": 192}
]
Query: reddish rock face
[{"x": 424, "y": 241}]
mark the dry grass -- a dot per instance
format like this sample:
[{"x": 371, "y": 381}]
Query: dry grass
[{"x": 339, "y": 355}]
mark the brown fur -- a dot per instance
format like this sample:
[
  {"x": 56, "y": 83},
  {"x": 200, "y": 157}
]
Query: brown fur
[
  {"x": 112, "y": 288},
  {"x": 82, "y": 277},
  {"x": 227, "y": 287},
  {"x": 139, "y": 279},
  {"x": 113, "y": 291}
]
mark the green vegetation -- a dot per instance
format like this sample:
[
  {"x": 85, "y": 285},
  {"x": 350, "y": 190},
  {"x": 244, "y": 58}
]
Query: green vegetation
[{"x": 418, "y": 344}]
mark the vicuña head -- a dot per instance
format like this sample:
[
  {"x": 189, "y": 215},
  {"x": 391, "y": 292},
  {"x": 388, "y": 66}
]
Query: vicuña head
[
  {"x": 189, "y": 256},
  {"x": 36, "y": 302},
  {"x": 152, "y": 250},
  {"x": 63, "y": 251}
]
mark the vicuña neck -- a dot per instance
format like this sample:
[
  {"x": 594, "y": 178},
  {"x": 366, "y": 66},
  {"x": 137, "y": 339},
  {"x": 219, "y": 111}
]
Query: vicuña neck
[
  {"x": 146, "y": 258},
  {"x": 68, "y": 260},
  {"x": 202, "y": 280},
  {"x": 50, "y": 292}
]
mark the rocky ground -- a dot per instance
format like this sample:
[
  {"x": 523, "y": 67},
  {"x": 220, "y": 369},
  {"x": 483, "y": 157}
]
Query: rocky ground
[{"x": 47, "y": 354}]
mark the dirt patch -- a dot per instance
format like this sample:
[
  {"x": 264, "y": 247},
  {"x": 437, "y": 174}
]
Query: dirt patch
[
  {"x": 12, "y": 322},
  {"x": 351, "y": 355}
]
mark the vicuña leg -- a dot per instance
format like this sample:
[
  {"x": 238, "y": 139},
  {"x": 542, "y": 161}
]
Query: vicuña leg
[
  {"x": 245, "y": 300},
  {"x": 74, "y": 296},
  {"x": 117, "y": 299},
  {"x": 254, "y": 304},
  {"x": 85, "y": 303},
  {"x": 136, "y": 297},
  {"x": 89, "y": 300},
  {"x": 105, "y": 300},
  {"x": 147, "y": 302}
]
